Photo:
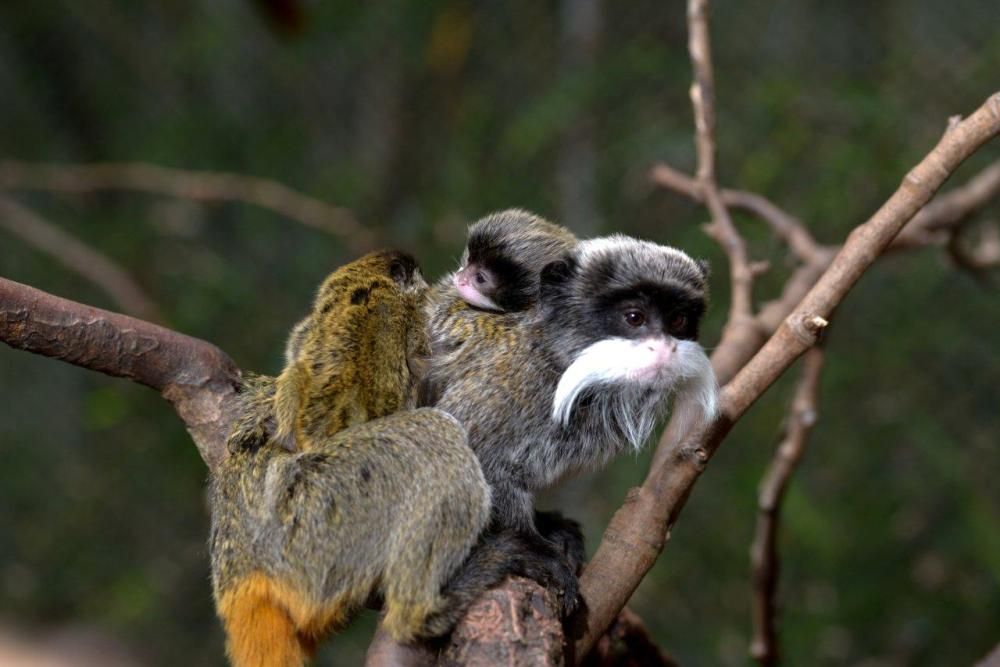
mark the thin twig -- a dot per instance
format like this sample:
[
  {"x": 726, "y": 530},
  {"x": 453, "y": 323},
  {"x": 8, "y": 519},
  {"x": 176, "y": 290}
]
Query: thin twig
[
  {"x": 786, "y": 226},
  {"x": 802, "y": 416},
  {"x": 940, "y": 222},
  {"x": 76, "y": 255},
  {"x": 185, "y": 184},
  {"x": 722, "y": 229}
]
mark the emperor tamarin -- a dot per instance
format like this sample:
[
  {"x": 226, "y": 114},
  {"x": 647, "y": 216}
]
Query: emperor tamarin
[{"x": 581, "y": 376}]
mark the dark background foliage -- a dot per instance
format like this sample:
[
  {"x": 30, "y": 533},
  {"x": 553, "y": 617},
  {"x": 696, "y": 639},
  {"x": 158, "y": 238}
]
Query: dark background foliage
[{"x": 421, "y": 116}]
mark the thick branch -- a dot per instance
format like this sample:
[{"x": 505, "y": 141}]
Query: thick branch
[
  {"x": 79, "y": 257},
  {"x": 639, "y": 529},
  {"x": 195, "y": 376},
  {"x": 764, "y": 559},
  {"x": 196, "y": 185},
  {"x": 863, "y": 246},
  {"x": 516, "y": 624}
]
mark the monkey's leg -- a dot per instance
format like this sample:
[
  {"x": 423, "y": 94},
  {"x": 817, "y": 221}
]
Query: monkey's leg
[
  {"x": 551, "y": 564},
  {"x": 427, "y": 555},
  {"x": 259, "y": 631}
]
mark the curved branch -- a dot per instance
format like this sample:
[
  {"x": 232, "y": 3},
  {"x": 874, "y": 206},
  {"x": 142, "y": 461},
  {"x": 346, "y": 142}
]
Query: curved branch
[
  {"x": 195, "y": 376},
  {"x": 992, "y": 659},
  {"x": 184, "y": 184},
  {"x": 638, "y": 531},
  {"x": 78, "y": 257}
]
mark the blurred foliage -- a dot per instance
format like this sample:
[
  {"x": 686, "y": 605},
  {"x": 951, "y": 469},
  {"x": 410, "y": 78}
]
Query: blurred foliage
[{"x": 421, "y": 116}]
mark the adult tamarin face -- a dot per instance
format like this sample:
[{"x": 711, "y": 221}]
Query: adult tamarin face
[
  {"x": 503, "y": 257},
  {"x": 625, "y": 314}
]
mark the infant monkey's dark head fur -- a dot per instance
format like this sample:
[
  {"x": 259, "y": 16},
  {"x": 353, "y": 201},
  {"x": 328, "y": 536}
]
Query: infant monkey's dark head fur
[{"x": 503, "y": 256}]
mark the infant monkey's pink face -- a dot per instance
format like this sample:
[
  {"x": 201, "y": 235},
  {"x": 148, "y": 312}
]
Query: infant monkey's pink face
[{"x": 475, "y": 285}]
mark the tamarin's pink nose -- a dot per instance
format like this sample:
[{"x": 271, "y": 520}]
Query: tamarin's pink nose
[{"x": 661, "y": 349}]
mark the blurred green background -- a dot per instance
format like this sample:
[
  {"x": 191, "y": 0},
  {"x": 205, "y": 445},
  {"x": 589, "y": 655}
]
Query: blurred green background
[{"x": 420, "y": 116}]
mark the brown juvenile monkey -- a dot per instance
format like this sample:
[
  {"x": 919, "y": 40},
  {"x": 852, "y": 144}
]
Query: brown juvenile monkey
[
  {"x": 389, "y": 507},
  {"x": 579, "y": 377},
  {"x": 350, "y": 359}
]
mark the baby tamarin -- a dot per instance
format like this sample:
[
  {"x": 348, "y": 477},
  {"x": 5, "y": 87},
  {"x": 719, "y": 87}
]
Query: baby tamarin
[
  {"x": 579, "y": 377},
  {"x": 377, "y": 499},
  {"x": 503, "y": 256},
  {"x": 499, "y": 272}
]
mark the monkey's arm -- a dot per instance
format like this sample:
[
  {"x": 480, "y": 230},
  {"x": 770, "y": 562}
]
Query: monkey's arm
[{"x": 254, "y": 424}]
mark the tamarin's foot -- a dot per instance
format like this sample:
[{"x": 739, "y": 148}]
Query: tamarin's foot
[
  {"x": 565, "y": 534},
  {"x": 546, "y": 562}
]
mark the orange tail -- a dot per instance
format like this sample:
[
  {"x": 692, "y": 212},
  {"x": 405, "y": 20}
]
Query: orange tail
[{"x": 260, "y": 632}]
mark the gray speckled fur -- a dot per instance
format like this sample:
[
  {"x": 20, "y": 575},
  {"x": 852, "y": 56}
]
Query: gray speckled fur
[{"x": 285, "y": 514}]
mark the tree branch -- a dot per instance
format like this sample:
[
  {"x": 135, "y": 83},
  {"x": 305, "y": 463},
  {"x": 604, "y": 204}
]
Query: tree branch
[
  {"x": 638, "y": 531},
  {"x": 195, "y": 376},
  {"x": 722, "y": 229},
  {"x": 802, "y": 416},
  {"x": 80, "y": 258},
  {"x": 937, "y": 221},
  {"x": 960, "y": 203},
  {"x": 184, "y": 184},
  {"x": 786, "y": 226}
]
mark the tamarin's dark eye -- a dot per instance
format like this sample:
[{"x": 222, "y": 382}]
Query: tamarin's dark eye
[
  {"x": 635, "y": 318},
  {"x": 678, "y": 323}
]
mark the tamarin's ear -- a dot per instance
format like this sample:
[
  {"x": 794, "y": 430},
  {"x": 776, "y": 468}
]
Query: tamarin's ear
[
  {"x": 554, "y": 275},
  {"x": 558, "y": 271},
  {"x": 401, "y": 267},
  {"x": 706, "y": 268}
]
